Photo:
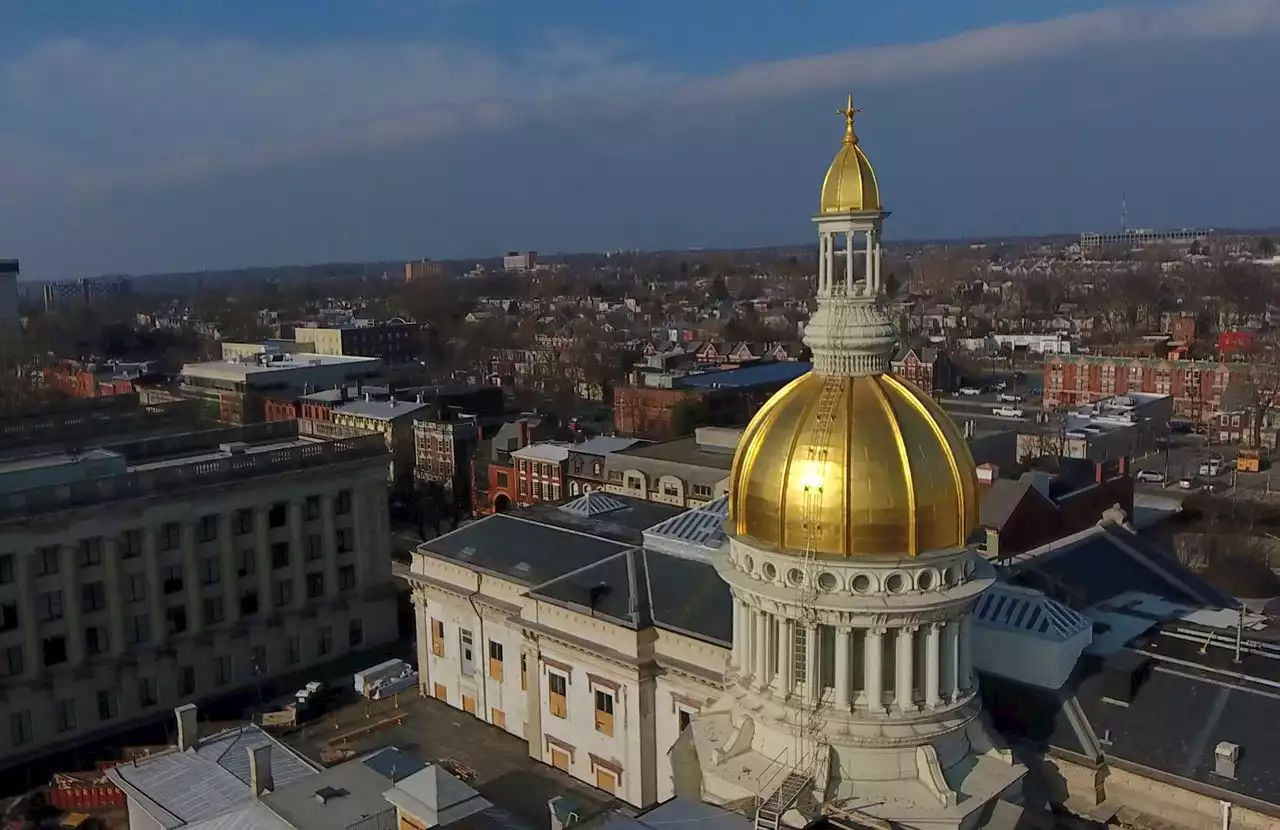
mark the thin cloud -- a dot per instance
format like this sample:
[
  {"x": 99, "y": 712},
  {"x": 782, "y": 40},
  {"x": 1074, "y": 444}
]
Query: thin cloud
[{"x": 111, "y": 114}]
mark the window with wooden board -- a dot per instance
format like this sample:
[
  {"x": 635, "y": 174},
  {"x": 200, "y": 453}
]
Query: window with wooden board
[
  {"x": 604, "y": 712},
  {"x": 497, "y": 717},
  {"x": 495, "y": 660},
  {"x": 437, "y": 638},
  {"x": 558, "y": 688}
]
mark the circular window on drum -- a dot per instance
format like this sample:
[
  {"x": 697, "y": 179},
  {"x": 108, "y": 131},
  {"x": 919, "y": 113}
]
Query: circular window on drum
[
  {"x": 862, "y": 584},
  {"x": 896, "y": 583},
  {"x": 949, "y": 577},
  {"x": 769, "y": 571},
  {"x": 828, "y": 582},
  {"x": 926, "y": 580},
  {"x": 748, "y": 564},
  {"x": 795, "y": 576}
]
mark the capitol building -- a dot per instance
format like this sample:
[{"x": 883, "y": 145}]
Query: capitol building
[{"x": 816, "y": 645}]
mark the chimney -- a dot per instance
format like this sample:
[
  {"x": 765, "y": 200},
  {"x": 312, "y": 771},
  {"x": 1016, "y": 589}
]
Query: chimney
[
  {"x": 522, "y": 427},
  {"x": 260, "y": 770},
  {"x": 1099, "y": 472},
  {"x": 987, "y": 473},
  {"x": 368, "y": 396},
  {"x": 1124, "y": 465},
  {"x": 993, "y": 544},
  {"x": 187, "y": 728},
  {"x": 1225, "y": 757}
]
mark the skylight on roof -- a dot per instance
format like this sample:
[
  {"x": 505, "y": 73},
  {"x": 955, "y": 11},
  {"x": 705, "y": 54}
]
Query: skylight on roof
[
  {"x": 1021, "y": 609},
  {"x": 593, "y": 504}
]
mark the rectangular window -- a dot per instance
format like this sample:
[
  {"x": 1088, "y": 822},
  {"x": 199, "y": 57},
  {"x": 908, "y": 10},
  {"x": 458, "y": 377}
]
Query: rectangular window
[
  {"x": 347, "y": 578},
  {"x": 524, "y": 672},
  {"x": 293, "y": 651},
  {"x": 282, "y": 593},
  {"x": 207, "y": 530},
  {"x": 93, "y": 596},
  {"x": 170, "y": 535},
  {"x": 20, "y": 728},
  {"x": 558, "y": 689},
  {"x": 138, "y": 629},
  {"x": 148, "y": 693},
  {"x": 6, "y": 568},
  {"x": 495, "y": 660},
  {"x": 55, "y": 650},
  {"x": 249, "y": 603},
  {"x": 498, "y": 718},
  {"x": 258, "y": 661},
  {"x": 345, "y": 538},
  {"x": 248, "y": 562},
  {"x": 8, "y": 616},
  {"x": 108, "y": 705},
  {"x": 135, "y": 587},
  {"x": 90, "y": 552},
  {"x": 313, "y": 508},
  {"x": 243, "y": 521},
  {"x": 49, "y": 606},
  {"x": 278, "y": 515},
  {"x": 172, "y": 576},
  {"x": 130, "y": 544},
  {"x": 47, "y": 560},
  {"x": 355, "y": 633},
  {"x": 96, "y": 640},
  {"x": 11, "y": 662},
  {"x": 215, "y": 610},
  {"x": 210, "y": 570},
  {"x": 177, "y": 619},
  {"x": 604, "y": 712},
  {"x": 315, "y": 585},
  {"x": 342, "y": 504},
  {"x": 280, "y": 555},
  {"x": 315, "y": 547},
  {"x": 437, "y": 638},
  {"x": 222, "y": 671},
  {"x": 466, "y": 651},
  {"x": 324, "y": 643},
  {"x": 186, "y": 681}
]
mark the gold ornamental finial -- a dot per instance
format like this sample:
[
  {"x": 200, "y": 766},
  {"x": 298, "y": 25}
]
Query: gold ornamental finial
[{"x": 849, "y": 111}]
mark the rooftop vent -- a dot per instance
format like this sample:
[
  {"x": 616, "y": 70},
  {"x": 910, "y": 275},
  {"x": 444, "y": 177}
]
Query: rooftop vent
[
  {"x": 1225, "y": 757},
  {"x": 1122, "y": 675},
  {"x": 234, "y": 447},
  {"x": 326, "y": 794},
  {"x": 523, "y": 567}
]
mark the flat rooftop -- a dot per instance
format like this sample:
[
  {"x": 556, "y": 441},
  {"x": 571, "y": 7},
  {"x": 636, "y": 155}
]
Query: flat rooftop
[
  {"x": 764, "y": 374},
  {"x": 679, "y": 451},
  {"x": 237, "y": 370}
]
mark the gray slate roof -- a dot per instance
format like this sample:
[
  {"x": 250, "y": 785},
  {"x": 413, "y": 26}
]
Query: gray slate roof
[{"x": 182, "y": 788}]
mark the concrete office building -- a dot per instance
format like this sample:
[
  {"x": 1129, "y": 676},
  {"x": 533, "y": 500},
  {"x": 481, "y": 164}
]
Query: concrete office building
[
  {"x": 10, "y": 320},
  {"x": 158, "y": 571},
  {"x": 395, "y": 341}
]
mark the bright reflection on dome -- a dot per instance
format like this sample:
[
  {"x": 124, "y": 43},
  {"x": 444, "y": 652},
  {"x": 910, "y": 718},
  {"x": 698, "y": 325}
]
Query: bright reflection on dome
[{"x": 812, "y": 474}]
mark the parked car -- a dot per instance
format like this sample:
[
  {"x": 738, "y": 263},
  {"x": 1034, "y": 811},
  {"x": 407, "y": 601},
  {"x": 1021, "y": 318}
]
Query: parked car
[
  {"x": 1151, "y": 476},
  {"x": 1187, "y": 483},
  {"x": 1008, "y": 397}
]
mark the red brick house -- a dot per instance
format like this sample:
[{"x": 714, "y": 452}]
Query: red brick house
[
  {"x": 1196, "y": 386},
  {"x": 926, "y": 367}
]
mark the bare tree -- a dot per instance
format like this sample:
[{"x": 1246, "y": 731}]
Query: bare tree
[{"x": 1260, "y": 391}]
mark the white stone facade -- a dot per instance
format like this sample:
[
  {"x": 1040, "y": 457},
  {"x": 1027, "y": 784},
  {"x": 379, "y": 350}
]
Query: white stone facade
[{"x": 113, "y": 614}]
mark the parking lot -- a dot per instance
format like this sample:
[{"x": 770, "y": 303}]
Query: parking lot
[
  {"x": 438, "y": 733},
  {"x": 1182, "y": 460}
]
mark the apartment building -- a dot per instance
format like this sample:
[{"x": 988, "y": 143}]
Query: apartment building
[
  {"x": 442, "y": 452},
  {"x": 685, "y": 472},
  {"x": 395, "y": 341},
  {"x": 151, "y": 572},
  {"x": 1196, "y": 386}
]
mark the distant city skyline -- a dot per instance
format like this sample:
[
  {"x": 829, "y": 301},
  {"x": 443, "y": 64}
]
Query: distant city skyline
[{"x": 193, "y": 138}]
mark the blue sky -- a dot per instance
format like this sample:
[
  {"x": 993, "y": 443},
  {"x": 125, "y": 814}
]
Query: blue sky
[{"x": 143, "y": 136}]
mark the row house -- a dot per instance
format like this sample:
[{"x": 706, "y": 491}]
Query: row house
[
  {"x": 1196, "y": 386},
  {"x": 928, "y": 368}
]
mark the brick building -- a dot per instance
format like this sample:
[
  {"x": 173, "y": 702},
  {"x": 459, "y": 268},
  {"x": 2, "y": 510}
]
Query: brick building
[
  {"x": 442, "y": 456},
  {"x": 927, "y": 368},
  {"x": 1183, "y": 328},
  {"x": 1196, "y": 386}
]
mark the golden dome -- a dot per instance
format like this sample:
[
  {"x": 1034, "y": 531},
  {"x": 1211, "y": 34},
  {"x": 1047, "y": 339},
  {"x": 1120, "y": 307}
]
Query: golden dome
[
  {"x": 850, "y": 184},
  {"x": 895, "y": 475}
]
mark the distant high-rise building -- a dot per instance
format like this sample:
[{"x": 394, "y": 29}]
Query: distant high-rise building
[
  {"x": 9, "y": 318},
  {"x": 520, "y": 261},
  {"x": 88, "y": 291},
  {"x": 1139, "y": 238},
  {"x": 423, "y": 269}
]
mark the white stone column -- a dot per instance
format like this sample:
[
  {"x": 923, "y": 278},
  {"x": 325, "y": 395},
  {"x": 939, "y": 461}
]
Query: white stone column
[
  {"x": 812, "y": 682},
  {"x": 230, "y": 563},
  {"x": 879, "y": 277},
  {"x": 115, "y": 595},
  {"x": 906, "y": 642},
  {"x": 735, "y": 656},
  {"x": 873, "y": 285},
  {"x": 964, "y": 676},
  {"x": 842, "y": 668},
  {"x": 191, "y": 579},
  {"x": 785, "y": 683},
  {"x": 933, "y": 665},
  {"x": 762, "y": 649},
  {"x": 873, "y": 668},
  {"x": 830, "y": 256},
  {"x": 848, "y": 262},
  {"x": 951, "y": 659}
]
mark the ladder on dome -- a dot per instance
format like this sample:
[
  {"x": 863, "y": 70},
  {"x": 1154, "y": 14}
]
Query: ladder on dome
[{"x": 808, "y": 725}]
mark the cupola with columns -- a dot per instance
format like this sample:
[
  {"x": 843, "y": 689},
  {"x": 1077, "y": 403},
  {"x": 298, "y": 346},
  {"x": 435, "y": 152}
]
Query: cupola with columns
[{"x": 853, "y": 503}]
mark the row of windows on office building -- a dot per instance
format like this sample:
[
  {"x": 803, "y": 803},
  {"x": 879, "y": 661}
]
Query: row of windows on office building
[{"x": 67, "y": 717}]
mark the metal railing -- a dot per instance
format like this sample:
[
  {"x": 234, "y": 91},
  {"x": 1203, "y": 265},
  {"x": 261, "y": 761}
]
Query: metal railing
[{"x": 178, "y": 478}]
